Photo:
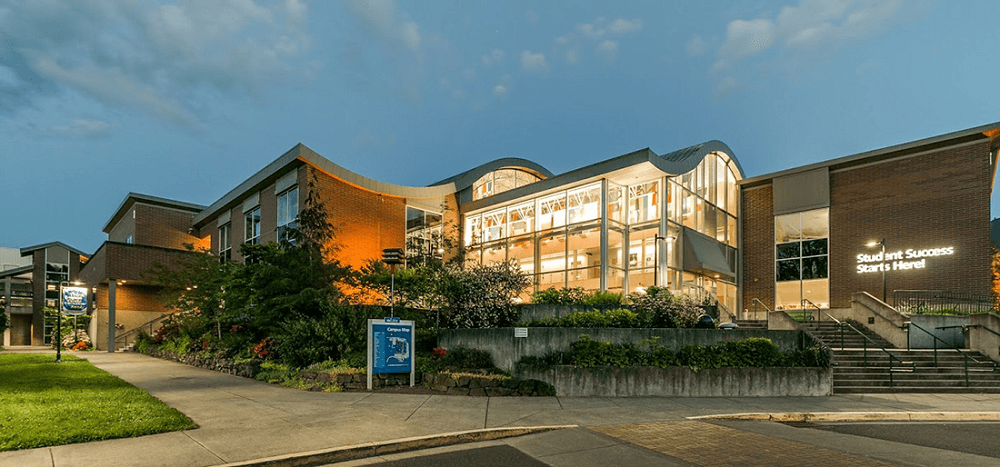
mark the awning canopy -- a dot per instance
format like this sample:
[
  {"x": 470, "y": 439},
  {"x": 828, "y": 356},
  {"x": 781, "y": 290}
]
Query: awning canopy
[{"x": 703, "y": 254}]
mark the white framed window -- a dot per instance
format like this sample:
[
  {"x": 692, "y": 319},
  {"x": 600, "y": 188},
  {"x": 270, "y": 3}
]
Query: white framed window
[
  {"x": 251, "y": 231},
  {"x": 225, "y": 244},
  {"x": 288, "y": 212}
]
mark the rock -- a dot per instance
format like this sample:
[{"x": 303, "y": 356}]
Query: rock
[
  {"x": 439, "y": 388},
  {"x": 475, "y": 383},
  {"x": 510, "y": 383},
  {"x": 456, "y": 391},
  {"x": 479, "y": 392},
  {"x": 463, "y": 381}
]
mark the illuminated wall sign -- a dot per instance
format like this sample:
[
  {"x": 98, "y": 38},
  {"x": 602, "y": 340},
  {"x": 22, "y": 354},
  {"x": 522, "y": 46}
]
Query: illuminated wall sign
[{"x": 900, "y": 260}]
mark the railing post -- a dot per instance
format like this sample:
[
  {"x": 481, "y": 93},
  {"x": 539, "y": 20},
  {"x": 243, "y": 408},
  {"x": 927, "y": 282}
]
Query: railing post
[
  {"x": 891, "y": 382},
  {"x": 967, "y": 382},
  {"x": 864, "y": 354},
  {"x": 842, "y": 345}
]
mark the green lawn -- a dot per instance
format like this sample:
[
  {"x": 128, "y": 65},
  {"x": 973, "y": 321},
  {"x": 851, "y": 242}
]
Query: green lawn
[{"x": 45, "y": 404}]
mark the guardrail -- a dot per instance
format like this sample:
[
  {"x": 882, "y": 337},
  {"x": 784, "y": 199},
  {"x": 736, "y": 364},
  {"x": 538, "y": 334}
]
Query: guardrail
[
  {"x": 756, "y": 301},
  {"x": 943, "y": 302},
  {"x": 128, "y": 337}
]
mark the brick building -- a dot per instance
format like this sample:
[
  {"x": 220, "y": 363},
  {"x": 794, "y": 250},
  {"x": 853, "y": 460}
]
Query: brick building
[
  {"x": 915, "y": 216},
  {"x": 687, "y": 220}
]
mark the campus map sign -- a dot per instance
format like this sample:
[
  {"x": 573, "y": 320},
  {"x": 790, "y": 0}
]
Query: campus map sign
[
  {"x": 390, "y": 347},
  {"x": 900, "y": 260},
  {"x": 74, "y": 301}
]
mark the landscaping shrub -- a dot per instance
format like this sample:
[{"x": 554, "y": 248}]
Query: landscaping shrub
[
  {"x": 463, "y": 358},
  {"x": 575, "y": 296},
  {"x": 748, "y": 353},
  {"x": 661, "y": 309},
  {"x": 482, "y": 296}
]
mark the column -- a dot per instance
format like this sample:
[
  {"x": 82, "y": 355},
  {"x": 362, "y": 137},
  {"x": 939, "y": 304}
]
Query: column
[
  {"x": 5, "y": 341},
  {"x": 604, "y": 235},
  {"x": 112, "y": 285}
]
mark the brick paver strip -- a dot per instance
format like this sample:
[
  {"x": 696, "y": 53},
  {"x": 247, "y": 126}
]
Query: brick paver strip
[{"x": 713, "y": 445}]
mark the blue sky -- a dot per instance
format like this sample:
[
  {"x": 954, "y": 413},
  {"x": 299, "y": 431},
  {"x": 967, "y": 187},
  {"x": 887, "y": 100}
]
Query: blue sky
[{"x": 187, "y": 99}]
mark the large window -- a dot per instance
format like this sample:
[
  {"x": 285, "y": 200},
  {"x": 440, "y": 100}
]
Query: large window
[
  {"x": 500, "y": 181},
  {"x": 288, "y": 213},
  {"x": 802, "y": 252},
  {"x": 423, "y": 234},
  {"x": 251, "y": 231},
  {"x": 225, "y": 244}
]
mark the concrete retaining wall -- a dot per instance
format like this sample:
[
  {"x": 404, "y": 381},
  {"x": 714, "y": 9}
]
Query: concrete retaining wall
[
  {"x": 681, "y": 381},
  {"x": 953, "y": 336},
  {"x": 982, "y": 340},
  {"x": 507, "y": 349}
]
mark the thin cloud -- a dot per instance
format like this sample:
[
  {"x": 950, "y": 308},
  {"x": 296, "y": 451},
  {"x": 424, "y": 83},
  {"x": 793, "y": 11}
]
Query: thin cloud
[
  {"x": 499, "y": 90},
  {"x": 79, "y": 129},
  {"x": 534, "y": 62},
  {"x": 495, "y": 57},
  {"x": 624, "y": 26},
  {"x": 607, "y": 49},
  {"x": 148, "y": 57}
]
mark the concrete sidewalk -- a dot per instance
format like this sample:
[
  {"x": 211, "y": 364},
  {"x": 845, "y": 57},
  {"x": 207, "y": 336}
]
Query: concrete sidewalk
[{"x": 242, "y": 420}]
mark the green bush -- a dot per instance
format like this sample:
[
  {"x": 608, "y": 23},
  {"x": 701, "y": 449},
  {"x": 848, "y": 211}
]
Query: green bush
[
  {"x": 463, "y": 358},
  {"x": 661, "y": 309},
  {"x": 748, "y": 353},
  {"x": 143, "y": 341},
  {"x": 575, "y": 296}
]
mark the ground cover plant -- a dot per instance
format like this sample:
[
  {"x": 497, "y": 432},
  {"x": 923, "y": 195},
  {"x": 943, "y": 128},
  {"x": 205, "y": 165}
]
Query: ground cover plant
[
  {"x": 575, "y": 296},
  {"x": 748, "y": 353},
  {"x": 43, "y": 403}
]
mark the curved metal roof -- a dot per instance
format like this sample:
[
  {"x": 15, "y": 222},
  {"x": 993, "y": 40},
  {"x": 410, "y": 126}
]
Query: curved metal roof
[{"x": 685, "y": 160}]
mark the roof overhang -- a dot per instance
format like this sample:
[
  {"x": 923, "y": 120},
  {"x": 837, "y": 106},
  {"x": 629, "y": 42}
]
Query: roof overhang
[
  {"x": 300, "y": 154},
  {"x": 31, "y": 249},
  {"x": 986, "y": 132},
  {"x": 16, "y": 271},
  {"x": 133, "y": 198}
]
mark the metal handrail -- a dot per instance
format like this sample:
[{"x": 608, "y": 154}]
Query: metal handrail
[
  {"x": 806, "y": 300},
  {"x": 755, "y": 301},
  {"x": 841, "y": 325},
  {"x": 124, "y": 336},
  {"x": 936, "y": 339}
]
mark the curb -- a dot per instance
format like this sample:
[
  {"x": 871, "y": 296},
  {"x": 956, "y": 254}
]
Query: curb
[
  {"x": 856, "y": 416},
  {"x": 380, "y": 448}
]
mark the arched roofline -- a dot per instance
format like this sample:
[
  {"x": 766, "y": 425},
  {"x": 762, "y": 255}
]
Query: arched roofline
[
  {"x": 685, "y": 160},
  {"x": 467, "y": 178}
]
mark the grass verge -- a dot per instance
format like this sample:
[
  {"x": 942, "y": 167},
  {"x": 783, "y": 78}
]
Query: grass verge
[{"x": 46, "y": 404}]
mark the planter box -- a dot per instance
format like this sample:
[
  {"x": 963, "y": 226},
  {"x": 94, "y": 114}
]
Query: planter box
[{"x": 572, "y": 381}]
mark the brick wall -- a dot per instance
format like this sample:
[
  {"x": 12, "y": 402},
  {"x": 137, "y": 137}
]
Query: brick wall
[
  {"x": 932, "y": 200},
  {"x": 133, "y": 297},
  {"x": 758, "y": 246},
  {"x": 165, "y": 227},
  {"x": 364, "y": 222}
]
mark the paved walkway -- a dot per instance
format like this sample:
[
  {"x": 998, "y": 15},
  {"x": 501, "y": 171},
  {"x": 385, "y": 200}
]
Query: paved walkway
[{"x": 241, "y": 419}]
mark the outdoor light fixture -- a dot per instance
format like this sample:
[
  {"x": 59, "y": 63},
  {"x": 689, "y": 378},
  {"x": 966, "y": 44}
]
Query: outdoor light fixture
[{"x": 873, "y": 244}]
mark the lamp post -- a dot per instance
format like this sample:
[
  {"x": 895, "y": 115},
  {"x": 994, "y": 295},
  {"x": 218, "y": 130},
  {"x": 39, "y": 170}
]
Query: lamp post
[{"x": 882, "y": 244}]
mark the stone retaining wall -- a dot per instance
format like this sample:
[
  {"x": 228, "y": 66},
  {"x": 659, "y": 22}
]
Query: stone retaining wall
[{"x": 222, "y": 365}]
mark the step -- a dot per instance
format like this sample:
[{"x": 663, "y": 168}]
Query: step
[{"x": 914, "y": 390}]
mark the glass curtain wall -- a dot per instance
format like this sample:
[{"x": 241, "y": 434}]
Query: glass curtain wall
[
  {"x": 424, "y": 234},
  {"x": 557, "y": 237}
]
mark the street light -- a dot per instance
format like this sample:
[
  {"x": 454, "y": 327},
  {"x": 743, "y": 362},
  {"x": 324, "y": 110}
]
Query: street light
[{"x": 873, "y": 244}]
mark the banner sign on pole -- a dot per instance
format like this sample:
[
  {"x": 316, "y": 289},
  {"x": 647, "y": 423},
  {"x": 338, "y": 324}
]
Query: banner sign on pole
[
  {"x": 74, "y": 301},
  {"x": 390, "y": 347}
]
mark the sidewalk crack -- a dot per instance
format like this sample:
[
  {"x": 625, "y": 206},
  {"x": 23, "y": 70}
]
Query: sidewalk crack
[
  {"x": 203, "y": 446},
  {"x": 416, "y": 409}
]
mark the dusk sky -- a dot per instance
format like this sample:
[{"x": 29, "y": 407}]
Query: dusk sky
[{"x": 187, "y": 99}]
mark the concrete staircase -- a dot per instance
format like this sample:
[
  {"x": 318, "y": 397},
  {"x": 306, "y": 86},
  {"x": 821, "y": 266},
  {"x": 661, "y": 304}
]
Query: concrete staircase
[{"x": 857, "y": 370}]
